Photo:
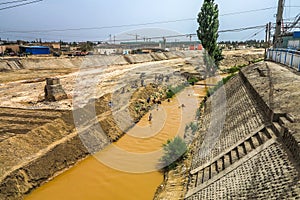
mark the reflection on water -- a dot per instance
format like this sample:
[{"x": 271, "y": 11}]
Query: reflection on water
[{"x": 93, "y": 180}]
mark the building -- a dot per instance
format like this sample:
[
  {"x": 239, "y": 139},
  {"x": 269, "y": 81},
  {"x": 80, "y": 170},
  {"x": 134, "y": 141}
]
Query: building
[
  {"x": 53, "y": 45},
  {"x": 9, "y": 48},
  {"x": 108, "y": 49},
  {"x": 290, "y": 41},
  {"x": 172, "y": 46},
  {"x": 35, "y": 50}
]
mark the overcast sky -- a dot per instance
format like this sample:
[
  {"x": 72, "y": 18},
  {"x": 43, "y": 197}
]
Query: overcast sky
[{"x": 68, "y": 14}]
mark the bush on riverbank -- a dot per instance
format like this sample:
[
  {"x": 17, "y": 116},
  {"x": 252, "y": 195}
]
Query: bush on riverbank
[
  {"x": 193, "y": 80},
  {"x": 174, "y": 151},
  {"x": 174, "y": 90}
]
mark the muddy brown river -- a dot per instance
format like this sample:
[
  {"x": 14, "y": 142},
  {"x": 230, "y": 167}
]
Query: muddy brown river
[{"x": 113, "y": 177}]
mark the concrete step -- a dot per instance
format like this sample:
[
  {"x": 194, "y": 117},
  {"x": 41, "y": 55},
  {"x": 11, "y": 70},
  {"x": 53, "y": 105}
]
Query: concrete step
[
  {"x": 265, "y": 136},
  {"x": 242, "y": 150},
  {"x": 270, "y": 132},
  {"x": 283, "y": 120},
  {"x": 235, "y": 154},
  {"x": 220, "y": 164},
  {"x": 249, "y": 146},
  {"x": 214, "y": 169},
  {"x": 257, "y": 141},
  {"x": 206, "y": 174},
  {"x": 227, "y": 160},
  {"x": 200, "y": 177},
  {"x": 193, "y": 181},
  {"x": 277, "y": 129}
]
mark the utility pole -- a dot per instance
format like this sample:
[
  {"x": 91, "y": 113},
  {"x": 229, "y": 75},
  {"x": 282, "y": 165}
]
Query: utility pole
[
  {"x": 164, "y": 43},
  {"x": 278, "y": 22},
  {"x": 268, "y": 34}
]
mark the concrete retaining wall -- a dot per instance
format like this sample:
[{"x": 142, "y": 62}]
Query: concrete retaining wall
[{"x": 256, "y": 96}]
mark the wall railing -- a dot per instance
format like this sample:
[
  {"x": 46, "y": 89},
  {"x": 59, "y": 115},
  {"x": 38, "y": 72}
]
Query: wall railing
[{"x": 286, "y": 57}]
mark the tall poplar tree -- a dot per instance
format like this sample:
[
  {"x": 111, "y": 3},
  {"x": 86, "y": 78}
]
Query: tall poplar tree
[{"x": 208, "y": 32}]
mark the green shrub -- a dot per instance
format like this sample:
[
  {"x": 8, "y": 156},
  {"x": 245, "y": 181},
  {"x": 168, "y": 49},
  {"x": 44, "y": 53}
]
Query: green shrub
[
  {"x": 194, "y": 126},
  {"x": 258, "y": 60},
  {"x": 174, "y": 151},
  {"x": 192, "y": 80},
  {"x": 170, "y": 93},
  {"x": 174, "y": 90}
]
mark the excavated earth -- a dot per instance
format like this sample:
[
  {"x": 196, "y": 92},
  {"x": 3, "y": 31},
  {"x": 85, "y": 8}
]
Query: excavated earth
[
  {"x": 240, "y": 57},
  {"x": 40, "y": 139}
]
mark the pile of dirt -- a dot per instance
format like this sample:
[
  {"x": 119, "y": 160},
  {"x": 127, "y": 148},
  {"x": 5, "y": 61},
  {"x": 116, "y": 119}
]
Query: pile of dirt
[{"x": 240, "y": 57}]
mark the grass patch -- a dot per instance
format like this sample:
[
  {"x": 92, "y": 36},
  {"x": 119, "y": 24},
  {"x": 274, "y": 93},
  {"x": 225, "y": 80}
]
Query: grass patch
[
  {"x": 174, "y": 90},
  {"x": 258, "y": 60},
  {"x": 192, "y": 80},
  {"x": 235, "y": 69}
]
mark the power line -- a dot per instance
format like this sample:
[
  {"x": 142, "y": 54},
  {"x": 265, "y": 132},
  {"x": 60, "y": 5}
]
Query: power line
[
  {"x": 176, "y": 36},
  {"x": 193, "y": 34},
  {"x": 130, "y": 25},
  {"x": 254, "y": 34},
  {"x": 242, "y": 29},
  {"x": 103, "y": 27},
  {"x": 22, "y": 4},
  {"x": 10, "y": 2},
  {"x": 248, "y": 11}
]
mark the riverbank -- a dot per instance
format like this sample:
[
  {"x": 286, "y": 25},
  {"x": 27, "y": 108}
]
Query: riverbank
[
  {"x": 39, "y": 139},
  {"x": 115, "y": 174},
  {"x": 174, "y": 185},
  {"x": 258, "y": 136}
]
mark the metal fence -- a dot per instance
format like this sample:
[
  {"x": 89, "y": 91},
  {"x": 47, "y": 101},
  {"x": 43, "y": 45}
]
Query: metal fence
[{"x": 287, "y": 57}]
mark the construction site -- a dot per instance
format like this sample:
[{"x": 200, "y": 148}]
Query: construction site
[
  {"x": 41, "y": 116},
  {"x": 150, "y": 113}
]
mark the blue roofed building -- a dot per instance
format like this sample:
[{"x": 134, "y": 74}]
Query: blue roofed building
[{"x": 35, "y": 50}]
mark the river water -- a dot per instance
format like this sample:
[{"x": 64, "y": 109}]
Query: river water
[{"x": 110, "y": 174}]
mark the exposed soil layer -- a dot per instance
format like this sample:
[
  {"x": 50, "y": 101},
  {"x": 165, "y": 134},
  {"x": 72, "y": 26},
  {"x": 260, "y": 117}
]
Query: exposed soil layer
[
  {"x": 40, "y": 139},
  {"x": 241, "y": 57}
]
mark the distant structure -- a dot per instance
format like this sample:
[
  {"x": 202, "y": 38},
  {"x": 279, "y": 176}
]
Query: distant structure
[
  {"x": 290, "y": 41},
  {"x": 35, "y": 50},
  {"x": 171, "y": 46}
]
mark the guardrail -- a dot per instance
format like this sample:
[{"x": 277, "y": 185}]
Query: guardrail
[{"x": 287, "y": 57}]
